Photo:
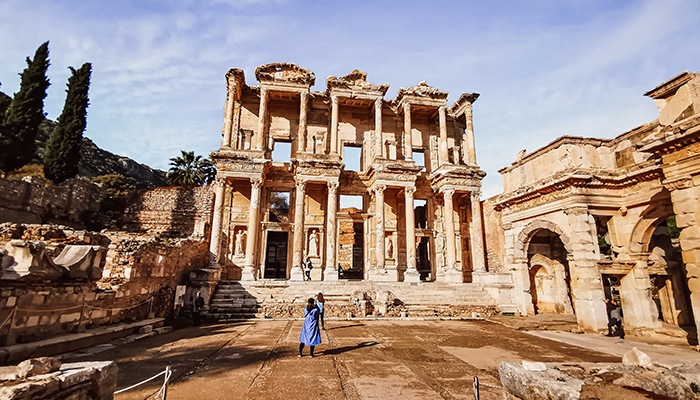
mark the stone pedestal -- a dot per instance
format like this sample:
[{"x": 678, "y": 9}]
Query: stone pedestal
[
  {"x": 452, "y": 276},
  {"x": 382, "y": 275}
]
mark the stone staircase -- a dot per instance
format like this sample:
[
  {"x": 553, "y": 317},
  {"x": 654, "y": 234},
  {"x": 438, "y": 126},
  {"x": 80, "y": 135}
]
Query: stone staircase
[{"x": 231, "y": 301}]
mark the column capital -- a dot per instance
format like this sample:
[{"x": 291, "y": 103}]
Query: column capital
[
  {"x": 220, "y": 181},
  {"x": 264, "y": 92},
  {"x": 304, "y": 95},
  {"x": 300, "y": 184},
  {"x": 576, "y": 210},
  {"x": 407, "y": 107},
  {"x": 334, "y": 99},
  {"x": 256, "y": 183},
  {"x": 442, "y": 109},
  {"x": 410, "y": 190},
  {"x": 448, "y": 193},
  {"x": 378, "y": 102},
  {"x": 475, "y": 196},
  {"x": 379, "y": 188},
  {"x": 333, "y": 187}
]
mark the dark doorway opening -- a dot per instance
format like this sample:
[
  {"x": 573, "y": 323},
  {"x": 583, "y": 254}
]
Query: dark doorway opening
[
  {"x": 276, "y": 260},
  {"x": 423, "y": 258},
  {"x": 355, "y": 268}
]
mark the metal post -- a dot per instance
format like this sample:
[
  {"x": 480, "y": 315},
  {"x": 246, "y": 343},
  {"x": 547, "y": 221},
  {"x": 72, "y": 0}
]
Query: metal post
[
  {"x": 165, "y": 382},
  {"x": 476, "y": 388}
]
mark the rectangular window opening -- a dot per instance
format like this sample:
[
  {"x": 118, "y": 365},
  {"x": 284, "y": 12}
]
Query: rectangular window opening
[
  {"x": 352, "y": 157},
  {"x": 419, "y": 158},
  {"x": 420, "y": 213},
  {"x": 281, "y": 151},
  {"x": 279, "y": 207},
  {"x": 350, "y": 203}
]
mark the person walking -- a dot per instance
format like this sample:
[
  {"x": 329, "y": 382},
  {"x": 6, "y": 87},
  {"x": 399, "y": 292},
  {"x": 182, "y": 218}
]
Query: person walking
[
  {"x": 321, "y": 303},
  {"x": 307, "y": 268},
  {"x": 197, "y": 306},
  {"x": 310, "y": 334},
  {"x": 614, "y": 318}
]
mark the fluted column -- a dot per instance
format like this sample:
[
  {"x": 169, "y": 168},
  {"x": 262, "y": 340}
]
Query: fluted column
[
  {"x": 301, "y": 143},
  {"x": 412, "y": 274},
  {"x": 449, "y": 228},
  {"x": 378, "y": 127},
  {"x": 297, "y": 273},
  {"x": 214, "y": 243},
  {"x": 331, "y": 273},
  {"x": 248, "y": 273},
  {"x": 379, "y": 216},
  {"x": 262, "y": 114},
  {"x": 408, "y": 135},
  {"x": 228, "y": 115},
  {"x": 471, "y": 148},
  {"x": 476, "y": 234},
  {"x": 334, "y": 125},
  {"x": 442, "y": 142}
]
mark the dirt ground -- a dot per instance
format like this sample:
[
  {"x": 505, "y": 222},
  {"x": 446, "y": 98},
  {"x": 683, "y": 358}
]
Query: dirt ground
[{"x": 375, "y": 359}]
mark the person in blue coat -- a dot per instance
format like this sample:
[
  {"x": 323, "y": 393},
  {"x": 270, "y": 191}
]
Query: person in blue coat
[{"x": 310, "y": 334}]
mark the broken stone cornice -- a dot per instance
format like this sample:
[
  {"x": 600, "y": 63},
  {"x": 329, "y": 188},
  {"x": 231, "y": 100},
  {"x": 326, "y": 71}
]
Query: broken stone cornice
[
  {"x": 670, "y": 86},
  {"x": 284, "y": 72}
]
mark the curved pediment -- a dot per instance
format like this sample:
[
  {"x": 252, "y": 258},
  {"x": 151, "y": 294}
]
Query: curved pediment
[
  {"x": 284, "y": 72},
  {"x": 422, "y": 90}
]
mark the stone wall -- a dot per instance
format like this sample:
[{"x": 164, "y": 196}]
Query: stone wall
[
  {"x": 76, "y": 202},
  {"x": 171, "y": 212}
]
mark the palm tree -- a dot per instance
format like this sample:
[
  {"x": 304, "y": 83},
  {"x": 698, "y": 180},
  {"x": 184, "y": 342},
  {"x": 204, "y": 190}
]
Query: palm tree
[{"x": 190, "y": 170}]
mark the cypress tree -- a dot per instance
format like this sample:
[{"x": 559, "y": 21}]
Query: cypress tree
[
  {"x": 63, "y": 147},
  {"x": 25, "y": 113}
]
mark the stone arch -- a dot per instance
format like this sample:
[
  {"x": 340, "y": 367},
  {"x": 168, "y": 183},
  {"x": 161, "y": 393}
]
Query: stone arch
[
  {"x": 649, "y": 219},
  {"x": 531, "y": 229}
]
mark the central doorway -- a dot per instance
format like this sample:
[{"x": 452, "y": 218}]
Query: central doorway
[{"x": 276, "y": 260}]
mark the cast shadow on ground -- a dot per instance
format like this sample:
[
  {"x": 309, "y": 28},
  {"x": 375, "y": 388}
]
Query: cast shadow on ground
[
  {"x": 346, "y": 326},
  {"x": 340, "y": 350}
]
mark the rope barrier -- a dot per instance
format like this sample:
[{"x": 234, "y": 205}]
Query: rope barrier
[
  {"x": 14, "y": 310},
  {"x": 168, "y": 372}
]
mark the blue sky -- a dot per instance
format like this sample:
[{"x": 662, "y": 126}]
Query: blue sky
[{"x": 543, "y": 68}]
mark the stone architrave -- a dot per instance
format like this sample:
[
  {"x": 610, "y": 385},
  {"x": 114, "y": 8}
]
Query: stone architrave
[
  {"x": 215, "y": 242},
  {"x": 249, "y": 270},
  {"x": 411, "y": 274},
  {"x": 297, "y": 274},
  {"x": 408, "y": 135},
  {"x": 451, "y": 273},
  {"x": 331, "y": 272}
]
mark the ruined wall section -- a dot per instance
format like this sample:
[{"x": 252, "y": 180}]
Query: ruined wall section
[
  {"x": 75, "y": 202},
  {"x": 171, "y": 212},
  {"x": 495, "y": 236}
]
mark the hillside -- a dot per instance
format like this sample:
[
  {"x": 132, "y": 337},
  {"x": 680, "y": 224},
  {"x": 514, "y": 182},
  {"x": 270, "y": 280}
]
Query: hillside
[{"x": 96, "y": 162}]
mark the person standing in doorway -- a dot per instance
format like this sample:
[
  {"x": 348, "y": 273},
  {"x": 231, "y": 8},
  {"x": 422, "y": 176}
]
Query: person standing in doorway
[
  {"x": 614, "y": 318},
  {"x": 321, "y": 304},
  {"x": 197, "y": 306},
  {"x": 310, "y": 334}
]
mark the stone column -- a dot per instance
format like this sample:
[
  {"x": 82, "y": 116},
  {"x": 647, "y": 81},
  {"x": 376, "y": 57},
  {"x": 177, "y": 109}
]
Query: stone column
[
  {"x": 331, "y": 274},
  {"x": 471, "y": 148},
  {"x": 443, "y": 156},
  {"x": 297, "y": 273},
  {"x": 248, "y": 273},
  {"x": 214, "y": 244},
  {"x": 334, "y": 125},
  {"x": 476, "y": 239},
  {"x": 686, "y": 206},
  {"x": 379, "y": 216},
  {"x": 262, "y": 114},
  {"x": 228, "y": 115},
  {"x": 412, "y": 274},
  {"x": 408, "y": 136},
  {"x": 378, "y": 127},
  {"x": 451, "y": 273},
  {"x": 301, "y": 142}
]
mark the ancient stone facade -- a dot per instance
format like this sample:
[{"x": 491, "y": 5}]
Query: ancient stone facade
[
  {"x": 418, "y": 218},
  {"x": 586, "y": 219}
]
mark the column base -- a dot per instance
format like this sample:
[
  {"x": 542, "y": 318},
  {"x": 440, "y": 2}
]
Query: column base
[
  {"x": 411, "y": 276},
  {"x": 248, "y": 273},
  {"x": 452, "y": 276},
  {"x": 297, "y": 274},
  {"x": 330, "y": 275}
]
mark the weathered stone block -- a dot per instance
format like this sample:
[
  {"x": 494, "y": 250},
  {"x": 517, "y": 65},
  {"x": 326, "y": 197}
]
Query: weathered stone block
[
  {"x": 538, "y": 385},
  {"x": 636, "y": 358},
  {"x": 70, "y": 317},
  {"x": 32, "y": 321},
  {"x": 685, "y": 207},
  {"x": 37, "y": 366}
]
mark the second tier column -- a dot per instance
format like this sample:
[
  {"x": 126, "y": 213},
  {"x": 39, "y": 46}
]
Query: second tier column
[
  {"x": 411, "y": 274},
  {"x": 297, "y": 274},
  {"x": 248, "y": 273},
  {"x": 331, "y": 273}
]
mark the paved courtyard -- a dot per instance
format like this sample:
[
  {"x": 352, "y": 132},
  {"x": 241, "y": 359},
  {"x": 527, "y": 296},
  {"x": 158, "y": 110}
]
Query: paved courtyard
[{"x": 367, "y": 359}]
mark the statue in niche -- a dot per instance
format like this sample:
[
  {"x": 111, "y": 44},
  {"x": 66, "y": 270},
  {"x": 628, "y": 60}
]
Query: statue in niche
[
  {"x": 389, "y": 247},
  {"x": 313, "y": 244},
  {"x": 239, "y": 243}
]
